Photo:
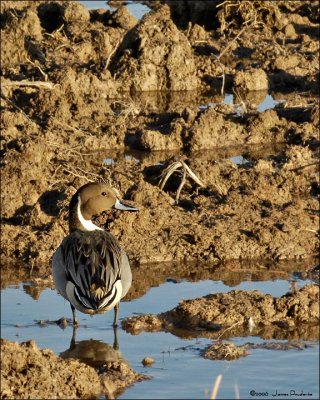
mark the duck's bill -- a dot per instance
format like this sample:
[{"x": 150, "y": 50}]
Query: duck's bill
[{"x": 120, "y": 205}]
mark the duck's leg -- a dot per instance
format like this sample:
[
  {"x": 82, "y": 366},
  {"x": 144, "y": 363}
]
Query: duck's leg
[
  {"x": 75, "y": 321},
  {"x": 116, "y": 310},
  {"x": 115, "y": 342},
  {"x": 73, "y": 339}
]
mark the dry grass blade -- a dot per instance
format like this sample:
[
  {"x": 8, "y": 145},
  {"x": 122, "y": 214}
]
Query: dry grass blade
[{"x": 215, "y": 388}]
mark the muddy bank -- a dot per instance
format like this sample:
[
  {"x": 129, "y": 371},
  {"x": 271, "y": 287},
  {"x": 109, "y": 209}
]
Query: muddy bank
[
  {"x": 30, "y": 373},
  {"x": 264, "y": 208},
  {"x": 239, "y": 313},
  {"x": 66, "y": 76}
]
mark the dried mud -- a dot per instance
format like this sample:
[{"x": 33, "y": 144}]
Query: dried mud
[
  {"x": 30, "y": 373},
  {"x": 239, "y": 313},
  {"x": 99, "y": 95}
]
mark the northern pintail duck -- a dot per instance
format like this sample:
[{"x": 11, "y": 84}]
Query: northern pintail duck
[{"x": 90, "y": 269}]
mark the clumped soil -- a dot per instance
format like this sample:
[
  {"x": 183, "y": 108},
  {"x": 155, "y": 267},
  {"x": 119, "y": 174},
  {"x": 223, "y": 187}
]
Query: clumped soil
[
  {"x": 30, "y": 373},
  {"x": 239, "y": 313},
  {"x": 224, "y": 350},
  {"x": 99, "y": 95}
]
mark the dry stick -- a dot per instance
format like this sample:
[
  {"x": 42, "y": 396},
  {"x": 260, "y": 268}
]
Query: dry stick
[
  {"x": 216, "y": 387},
  {"x": 17, "y": 108},
  {"x": 237, "y": 93},
  {"x": 189, "y": 28},
  {"x": 233, "y": 40},
  {"x": 183, "y": 181},
  {"x": 40, "y": 69},
  {"x": 227, "y": 329},
  {"x": 47, "y": 85},
  {"x": 223, "y": 73},
  {"x": 111, "y": 54},
  {"x": 192, "y": 174},
  {"x": 77, "y": 175},
  {"x": 313, "y": 164},
  {"x": 83, "y": 171},
  {"x": 168, "y": 172}
]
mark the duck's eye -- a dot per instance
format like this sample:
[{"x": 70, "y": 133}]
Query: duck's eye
[{"x": 104, "y": 193}]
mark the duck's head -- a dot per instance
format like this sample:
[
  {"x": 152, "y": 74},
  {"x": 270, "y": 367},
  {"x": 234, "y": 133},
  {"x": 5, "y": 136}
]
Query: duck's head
[{"x": 92, "y": 199}]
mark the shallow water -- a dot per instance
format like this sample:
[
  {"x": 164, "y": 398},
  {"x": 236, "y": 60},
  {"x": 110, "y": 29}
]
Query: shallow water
[
  {"x": 136, "y": 9},
  {"x": 179, "y": 371}
]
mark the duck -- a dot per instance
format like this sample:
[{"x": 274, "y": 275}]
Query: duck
[{"x": 90, "y": 269}]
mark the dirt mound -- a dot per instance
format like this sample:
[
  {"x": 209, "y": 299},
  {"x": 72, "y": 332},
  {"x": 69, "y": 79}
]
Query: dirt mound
[
  {"x": 223, "y": 350},
  {"x": 155, "y": 55},
  {"x": 238, "y": 313},
  {"x": 30, "y": 373}
]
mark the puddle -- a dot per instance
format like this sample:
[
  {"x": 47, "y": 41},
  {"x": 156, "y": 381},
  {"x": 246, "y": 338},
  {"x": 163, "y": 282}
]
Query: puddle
[
  {"x": 137, "y": 9},
  {"x": 179, "y": 371},
  {"x": 230, "y": 99},
  {"x": 108, "y": 161},
  {"x": 239, "y": 160}
]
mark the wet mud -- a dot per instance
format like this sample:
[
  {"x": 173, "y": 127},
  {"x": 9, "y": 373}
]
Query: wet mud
[
  {"x": 30, "y": 373},
  {"x": 238, "y": 313},
  {"x": 99, "y": 95}
]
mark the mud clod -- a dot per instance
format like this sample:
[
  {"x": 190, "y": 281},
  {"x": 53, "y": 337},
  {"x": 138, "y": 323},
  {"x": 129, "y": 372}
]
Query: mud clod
[{"x": 232, "y": 311}]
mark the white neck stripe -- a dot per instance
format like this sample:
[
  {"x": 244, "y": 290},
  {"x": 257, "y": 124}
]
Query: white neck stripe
[{"x": 86, "y": 223}]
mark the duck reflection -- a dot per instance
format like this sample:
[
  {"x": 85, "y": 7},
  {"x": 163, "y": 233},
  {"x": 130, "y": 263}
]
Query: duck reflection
[{"x": 93, "y": 352}]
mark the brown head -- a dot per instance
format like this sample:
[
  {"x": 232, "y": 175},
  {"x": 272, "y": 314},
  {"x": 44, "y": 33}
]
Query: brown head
[{"x": 92, "y": 199}]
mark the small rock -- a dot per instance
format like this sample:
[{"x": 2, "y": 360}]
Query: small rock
[
  {"x": 253, "y": 79},
  {"x": 147, "y": 361},
  {"x": 290, "y": 31}
]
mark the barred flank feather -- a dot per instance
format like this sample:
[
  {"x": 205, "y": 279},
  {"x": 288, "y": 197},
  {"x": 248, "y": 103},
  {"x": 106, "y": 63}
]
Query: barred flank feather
[{"x": 92, "y": 261}]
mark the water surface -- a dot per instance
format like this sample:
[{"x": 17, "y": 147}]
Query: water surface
[{"x": 179, "y": 371}]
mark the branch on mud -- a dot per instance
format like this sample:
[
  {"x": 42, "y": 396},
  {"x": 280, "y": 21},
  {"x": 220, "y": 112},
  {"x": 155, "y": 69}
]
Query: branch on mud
[
  {"x": 228, "y": 329},
  {"x": 47, "y": 85},
  {"x": 234, "y": 39},
  {"x": 186, "y": 171},
  {"x": 223, "y": 73},
  {"x": 313, "y": 164},
  {"x": 17, "y": 108},
  {"x": 111, "y": 54}
]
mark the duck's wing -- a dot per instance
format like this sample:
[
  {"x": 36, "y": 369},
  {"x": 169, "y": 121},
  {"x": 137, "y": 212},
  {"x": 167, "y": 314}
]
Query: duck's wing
[{"x": 92, "y": 263}]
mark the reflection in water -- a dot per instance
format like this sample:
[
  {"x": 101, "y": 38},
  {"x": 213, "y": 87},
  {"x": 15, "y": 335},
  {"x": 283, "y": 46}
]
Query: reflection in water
[
  {"x": 93, "y": 352},
  {"x": 231, "y": 273}
]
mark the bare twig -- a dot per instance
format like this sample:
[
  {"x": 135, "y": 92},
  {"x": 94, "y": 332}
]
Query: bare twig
[
  {"x": 223, "y": 73},
  {"x": 243, "y": 104},
  {"x": 234, "y": 39},
  {"x": 17, "y": 108},
  {"x": 40, "y": 69},
  {"x": 183, "y": 181},
  {"x": 47, "y": 85},
  {"x": 228, "y": 329},
  {"x": 186, "y": 170},
  {"x": 313, "y": 164},
  {"x": 111, "y": 54}
]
